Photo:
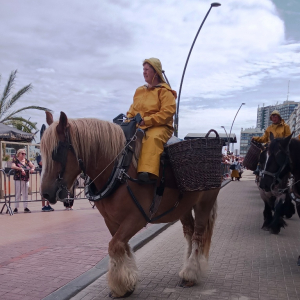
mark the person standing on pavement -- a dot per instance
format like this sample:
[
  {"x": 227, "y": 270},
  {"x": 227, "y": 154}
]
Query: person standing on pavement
[
  {"x": 278, "y": 127},
  {"x": 236, "y": 172},
  {"x": 22, "y": 167},
  {"x": 155, "y": 102}
]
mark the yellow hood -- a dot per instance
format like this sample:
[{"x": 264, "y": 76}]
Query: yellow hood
[
  {"x": 275, "y": 112},
  {"x": 156, "y": 64}
]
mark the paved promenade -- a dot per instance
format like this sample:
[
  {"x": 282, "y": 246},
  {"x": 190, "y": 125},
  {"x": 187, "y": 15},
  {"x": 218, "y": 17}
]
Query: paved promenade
[
  {"x": 245, "y": 262},
  {"x": 42, "y": 251}
]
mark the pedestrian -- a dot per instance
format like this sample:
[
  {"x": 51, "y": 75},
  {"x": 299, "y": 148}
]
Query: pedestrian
[
  {"x": 22, "y": 167},
  {"x": 235, "y": 169},
  {"x": 45, "y": 204}
]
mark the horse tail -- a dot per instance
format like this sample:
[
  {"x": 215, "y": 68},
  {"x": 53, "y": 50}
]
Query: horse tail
[{"x": 206, "y": 238}]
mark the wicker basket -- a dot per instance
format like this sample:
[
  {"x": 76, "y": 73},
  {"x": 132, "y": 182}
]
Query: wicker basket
[
  {"x": 252, "y": 157},
  {"x": 196, "y": 163}
]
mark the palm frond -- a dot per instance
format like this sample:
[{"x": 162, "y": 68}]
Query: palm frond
[
  {"x": 20, "y": 119},
  {"x": 22, "y": 109},
  {"x": 7, "y": 90},
  {"x": 22, "y": 124},
  {"x": 16, "y": 97}
]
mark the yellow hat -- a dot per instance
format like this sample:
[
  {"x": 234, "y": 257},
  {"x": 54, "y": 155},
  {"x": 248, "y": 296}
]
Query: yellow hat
[
  {"x": 156, "y": 64},
  {"x": 275, "y": 112}
]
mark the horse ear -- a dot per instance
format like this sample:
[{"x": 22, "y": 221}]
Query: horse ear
[
  {"x": 271, "y": 136},
  {"x": 286, "y": 142},
  {"x": 62, "y": 125},
  {"x": 49, "y": 118}
]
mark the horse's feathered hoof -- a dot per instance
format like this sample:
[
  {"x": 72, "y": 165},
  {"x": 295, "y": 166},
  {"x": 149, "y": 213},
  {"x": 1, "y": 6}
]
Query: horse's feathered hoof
[
  {"x": 186, "y": 284},
  {"x": 111, "y": 295}
]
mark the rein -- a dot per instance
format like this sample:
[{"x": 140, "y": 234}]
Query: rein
[{"x": 60, "y": 155}]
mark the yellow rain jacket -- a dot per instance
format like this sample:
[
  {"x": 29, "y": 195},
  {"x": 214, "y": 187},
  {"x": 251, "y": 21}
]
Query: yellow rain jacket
[
  {"x": 157, "y": 107},
  {"x": 280, "y": 130}
]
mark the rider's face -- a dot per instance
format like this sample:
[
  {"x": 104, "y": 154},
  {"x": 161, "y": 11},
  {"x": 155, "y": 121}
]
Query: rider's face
[
  {"x": 275, "y": 119},
  {"x": 148, "y": 73}
]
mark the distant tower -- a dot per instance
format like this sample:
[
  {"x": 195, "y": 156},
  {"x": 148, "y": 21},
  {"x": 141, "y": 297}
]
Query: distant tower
[{"x": 288, "y": 93}]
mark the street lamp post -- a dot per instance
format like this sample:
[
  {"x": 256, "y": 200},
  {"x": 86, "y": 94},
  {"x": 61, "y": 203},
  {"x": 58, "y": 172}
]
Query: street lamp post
[
  {"x": 227, "y": 138},
  {"x": 214, "y": 4},
  {"x": 234, "y": 120}
]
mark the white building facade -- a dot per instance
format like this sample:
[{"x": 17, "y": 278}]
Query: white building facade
[{"x": 246, "y": 136}]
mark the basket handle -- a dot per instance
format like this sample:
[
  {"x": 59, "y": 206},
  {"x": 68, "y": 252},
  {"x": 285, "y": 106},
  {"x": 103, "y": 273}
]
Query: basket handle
[{"x": 212, "y": 130}]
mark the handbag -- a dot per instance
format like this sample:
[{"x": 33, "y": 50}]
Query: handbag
[{"x": 232, "y": 167}]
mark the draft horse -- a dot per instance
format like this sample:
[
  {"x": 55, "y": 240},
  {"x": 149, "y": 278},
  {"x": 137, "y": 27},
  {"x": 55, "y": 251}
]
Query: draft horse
[
  {"x": 273, "y": 184},
  {"x": 96, "y": 143}
]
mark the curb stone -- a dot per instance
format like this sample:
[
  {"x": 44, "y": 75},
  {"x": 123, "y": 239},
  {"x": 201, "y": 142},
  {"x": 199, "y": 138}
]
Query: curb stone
[{"x": 81, "y": 282}]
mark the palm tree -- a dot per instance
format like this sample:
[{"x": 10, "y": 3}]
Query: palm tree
[{"x": 9, "y": 116}]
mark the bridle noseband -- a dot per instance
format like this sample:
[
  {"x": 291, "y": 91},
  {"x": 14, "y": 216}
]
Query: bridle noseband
[{"x": 60, "y": 154}]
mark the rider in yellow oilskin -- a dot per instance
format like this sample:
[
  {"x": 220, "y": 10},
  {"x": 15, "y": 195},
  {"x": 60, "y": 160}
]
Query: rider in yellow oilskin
[
  {"x": 155, "y": 101},
  {"x": 278, "y": 127}
]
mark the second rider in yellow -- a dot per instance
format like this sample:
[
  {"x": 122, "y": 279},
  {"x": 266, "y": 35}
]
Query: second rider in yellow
[{"x": 156, "y": 104}]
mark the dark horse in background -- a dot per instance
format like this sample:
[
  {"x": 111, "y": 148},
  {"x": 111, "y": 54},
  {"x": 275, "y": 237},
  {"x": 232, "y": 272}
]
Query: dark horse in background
[{"x": 275, "y": 168}]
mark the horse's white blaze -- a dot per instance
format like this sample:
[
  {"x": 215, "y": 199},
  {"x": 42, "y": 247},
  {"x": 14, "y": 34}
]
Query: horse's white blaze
[
  {"x": 123, "y": 274},
  {"x": 195, "y": 265}
]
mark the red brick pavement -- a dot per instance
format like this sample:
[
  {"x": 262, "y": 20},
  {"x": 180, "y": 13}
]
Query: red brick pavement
[{"x": 42, "y": 251}]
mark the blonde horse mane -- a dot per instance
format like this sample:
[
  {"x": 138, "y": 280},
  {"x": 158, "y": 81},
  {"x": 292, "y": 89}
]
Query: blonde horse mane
[{"x": 91, "y": 138}]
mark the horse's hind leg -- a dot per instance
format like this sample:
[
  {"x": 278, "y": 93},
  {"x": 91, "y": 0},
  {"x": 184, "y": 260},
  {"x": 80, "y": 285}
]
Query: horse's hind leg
[
  {"x": 187, "y": 221},
  {"x": 205, "y": 216}
]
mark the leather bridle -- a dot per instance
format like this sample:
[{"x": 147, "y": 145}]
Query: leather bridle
[
  {"x": 60, "y": 154},
  {"x": 276, "y": 175}
]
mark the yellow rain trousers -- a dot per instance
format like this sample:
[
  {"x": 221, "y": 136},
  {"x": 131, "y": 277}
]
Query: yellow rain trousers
[
  {"x": 157, "y": 107},
  {"x": 280, "y": 130}
]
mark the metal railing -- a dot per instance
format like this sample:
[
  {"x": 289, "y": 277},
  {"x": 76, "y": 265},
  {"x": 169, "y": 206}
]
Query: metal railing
[
  {"x": 225, "y": 171},
  {"x": 9, "y": 186},
  {"x": 9, "y": 190}
]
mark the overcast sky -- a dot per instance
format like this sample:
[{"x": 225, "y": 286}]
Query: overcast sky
[{"x": 85, "y": 57}]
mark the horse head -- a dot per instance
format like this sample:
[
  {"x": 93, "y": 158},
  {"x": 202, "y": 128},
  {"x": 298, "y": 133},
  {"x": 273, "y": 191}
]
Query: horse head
[
  {"x": 60, "y": 163},
  {"x": 277, "y": 164}
]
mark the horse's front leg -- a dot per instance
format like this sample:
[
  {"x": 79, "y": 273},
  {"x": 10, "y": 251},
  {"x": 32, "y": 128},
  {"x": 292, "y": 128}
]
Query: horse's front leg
[
  {"x": 205, "y": 216},
  {"x": 278, "y": 221},
  {"x": 123, "y": 272},
  {"x": 289, "y": 207},
  {"x": 268, "y": 217}
]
